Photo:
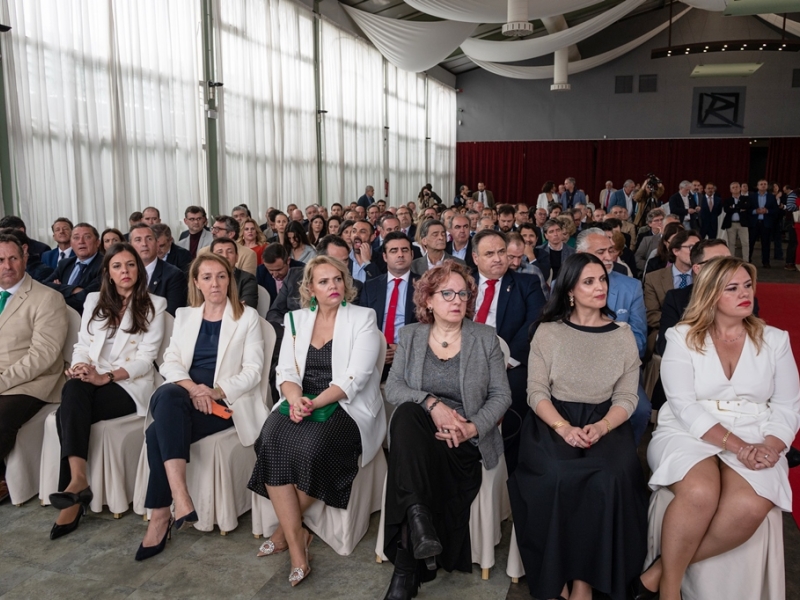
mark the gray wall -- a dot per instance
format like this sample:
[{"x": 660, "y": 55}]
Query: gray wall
[{"x": 500, "y": 108}]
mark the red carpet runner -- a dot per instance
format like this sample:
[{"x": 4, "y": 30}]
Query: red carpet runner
[{"x": 778, "y": 304}]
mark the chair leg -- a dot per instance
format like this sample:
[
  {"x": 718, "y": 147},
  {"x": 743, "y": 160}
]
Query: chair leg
[
  {"x": 485, "y": 574},
  {"x": 378, "y": 559},
  {"x": 257, "y": 536},
  {"x": 117, "y": 516},
  {"x": 144, "y": 518},
  {"x": 223, "y": 532},
  {"x": 18, "y": 505},
  {"x": 41, "y": 502},
  {"x": 515, "y": 580}
]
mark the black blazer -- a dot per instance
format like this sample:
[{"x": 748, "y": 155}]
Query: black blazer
[
  {"x": 743, "y": 206},
  {"x": 519, "y": 304},
  {"x": 37, "y": 247},
  {"x": 677, "y": 208},
  {"x": 88, "y": 281},
  {"x": 170, "y": 283},
  {"x": 247, "y": 287},
  {"x": 179, "y": 257},
  {"x": 267, "y": 281},
  {"x": 468, "y": 257},
  {"x": 380, "y": 262},
  {"x": 374, "y": 296},
  {"x": 543, "y": 259}
]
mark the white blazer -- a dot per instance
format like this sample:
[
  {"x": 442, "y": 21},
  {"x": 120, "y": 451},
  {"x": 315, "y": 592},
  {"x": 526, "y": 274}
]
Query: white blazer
[
  {"x": 358, "y": 356},
  {"x": 239, "y": 368},
  {"x": 134, "y": 353},
  {"x": 205, "y": 240}
]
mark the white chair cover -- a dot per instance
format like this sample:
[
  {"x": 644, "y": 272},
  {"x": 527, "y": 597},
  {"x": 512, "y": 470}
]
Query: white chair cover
[
  {"x": 489, "y": 509},
  {"x": 263, "y": 302},
  {"x": 23, "y": 463},
  {"x": 754, "y": 570},
  {"x": 114, "y": 447},
  {"x": 340, "y": 529},
  {"x": 74, "y": 327}
]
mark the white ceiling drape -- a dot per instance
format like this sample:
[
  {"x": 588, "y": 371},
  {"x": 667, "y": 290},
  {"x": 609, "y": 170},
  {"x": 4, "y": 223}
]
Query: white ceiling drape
[
  {"x": 525, "y": 49},
  {"x": 494, "y": 11},
  {"x": 579, "y": 66},
  {"x": 412, "y": 45},
  {"x": 792, "y": 27},
  {"x": 712, "y": 5}
]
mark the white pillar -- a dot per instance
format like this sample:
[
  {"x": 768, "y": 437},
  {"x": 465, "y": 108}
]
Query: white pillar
[{"x": 560, "y": 71}]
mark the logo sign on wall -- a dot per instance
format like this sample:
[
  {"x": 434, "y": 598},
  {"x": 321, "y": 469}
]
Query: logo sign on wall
[{"x": 718, "y": 110}]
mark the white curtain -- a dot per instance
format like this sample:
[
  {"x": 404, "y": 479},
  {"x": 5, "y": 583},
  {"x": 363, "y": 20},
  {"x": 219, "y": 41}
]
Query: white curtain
[
  {"x": 352, "y": 124},
  {"x": 412, "y": 45},
  {"x": 525, "y": 49},
  {"x": 267, "y": 133},
  {"x": 578, "y": 66},
  {"x": 494, "y": 11},
  {"x": 405, "y": 102},
  {"x": 442, "y": 143},
  {"x": 103, "y": 111}
]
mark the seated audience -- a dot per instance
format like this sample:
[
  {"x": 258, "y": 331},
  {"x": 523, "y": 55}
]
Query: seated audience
[
  {"x": 33, "y": 327},
  {"x": 649, "y": 240},
  {"x": 34, "y": 265},
  {"x": 274, "y": 268},
  {"x": 624, "y": 255},
  {"x": 281, "y": 223},
  {"x": 112, "y": 372},
  {"x": 577, "y": 496},
  {"x": 228, "y": 228},
  {"x": 183, "y": 410},
  {"x": 662, "y": 256},
  {"x": 733, "y": 408},
  {"x": 449, "y": 382},
  {"x": 169, "y": 251},
  {"x": 330, "y": 418},
  {"x": 79, "y": 275},
  {"x": 333, "y": 225},
  {"x": 386, "y": 225},
  {"x": 297, "y": 244},
  {"x": 518, "y": 260},
  {"x": 135, "y": 218},
  {"x": 346, "y": 231},
  {"x": 460, "y": 244},
  {"x": 197, "y": 237},
  {"x": 246, "y": 284},
  {"x": 162, "y": 278},
  {"x": 252, "y": 237},
  {"x": 554, "y": 251},
  {"x": 112, "y": 236},
  {"x": 62, "y": 234},
  {"x": 361, "y": 266},
  {"x": 433, "y": 238},
  {"x": 316, "y": 229},
  {"x": 35, "y": 247}
]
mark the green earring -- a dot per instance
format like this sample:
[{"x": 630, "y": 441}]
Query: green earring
[
  {"x": 344, "y": 302},
  {"x": 313, "y": 305}
]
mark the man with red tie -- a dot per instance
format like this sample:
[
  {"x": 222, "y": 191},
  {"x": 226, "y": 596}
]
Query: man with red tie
[
  {"x": 391, "y": 294},
  {"x": 604, "y": 196},
  {"x": 510, "y": 302}
]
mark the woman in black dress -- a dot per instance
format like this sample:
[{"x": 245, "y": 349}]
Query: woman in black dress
[{"x": 578, "y": 495}]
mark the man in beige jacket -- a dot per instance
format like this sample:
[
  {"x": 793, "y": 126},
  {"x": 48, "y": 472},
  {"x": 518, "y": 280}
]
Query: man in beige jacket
[{"x": 33, "y": 328}]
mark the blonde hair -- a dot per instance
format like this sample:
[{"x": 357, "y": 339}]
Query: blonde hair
[
  {"x": 706, "y": 292},
  {"x": 567, "y": 224},
  {"x": 350, "y": 291},
  {"x": 196, "y": 296},
  {"x": 261, "y": 239}
]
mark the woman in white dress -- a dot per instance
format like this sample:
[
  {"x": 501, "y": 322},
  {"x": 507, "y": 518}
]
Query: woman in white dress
[
  {"x": 733, "y": 409},
  {"x": 548, "y": 196}
]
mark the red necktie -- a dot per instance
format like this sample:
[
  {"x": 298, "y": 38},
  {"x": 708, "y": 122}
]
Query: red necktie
[
  {"x": 388, "y": 327},
  {"x": 488, "y": 296},
  {"x": 608, "y": 197}
]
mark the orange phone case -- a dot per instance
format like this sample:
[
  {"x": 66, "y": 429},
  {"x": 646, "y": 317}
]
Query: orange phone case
[{"x": 221, "y": 411}]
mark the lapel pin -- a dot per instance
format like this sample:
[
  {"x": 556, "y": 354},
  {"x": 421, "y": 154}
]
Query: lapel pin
[{"x": 508, "y": 289}]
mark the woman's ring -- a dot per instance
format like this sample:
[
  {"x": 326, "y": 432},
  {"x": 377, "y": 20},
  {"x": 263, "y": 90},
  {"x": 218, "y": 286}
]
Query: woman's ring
[
  {"x": 446, "y": 430},
  {"x": 766, "y": 456}
]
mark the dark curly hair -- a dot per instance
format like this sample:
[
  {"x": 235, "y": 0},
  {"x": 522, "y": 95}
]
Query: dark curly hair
[{"x": 427, "y": 285}]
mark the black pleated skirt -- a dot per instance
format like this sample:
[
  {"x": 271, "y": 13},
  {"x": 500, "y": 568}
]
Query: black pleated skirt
[
  {"x": 579, "y": 513},
  {"x": 423, "y": 470}
]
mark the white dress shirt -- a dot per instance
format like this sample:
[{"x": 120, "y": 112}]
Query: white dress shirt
[
  {"x": 491, "y": 318},
  {"x": 150, "y": 269}
]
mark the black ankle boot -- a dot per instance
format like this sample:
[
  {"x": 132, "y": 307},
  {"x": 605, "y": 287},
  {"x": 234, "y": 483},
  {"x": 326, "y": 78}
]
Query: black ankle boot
[
  {"x": 425, "y": 543},
  {"x": 405, "y": 581}
]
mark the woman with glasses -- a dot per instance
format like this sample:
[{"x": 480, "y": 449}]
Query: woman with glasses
[{"x": 449, "y": 381}]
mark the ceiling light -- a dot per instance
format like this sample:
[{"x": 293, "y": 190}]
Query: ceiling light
[{"x": 729, "y": 70}]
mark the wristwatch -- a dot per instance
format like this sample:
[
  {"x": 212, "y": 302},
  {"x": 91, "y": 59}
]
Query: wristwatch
[{"x": 110, "y": 376}]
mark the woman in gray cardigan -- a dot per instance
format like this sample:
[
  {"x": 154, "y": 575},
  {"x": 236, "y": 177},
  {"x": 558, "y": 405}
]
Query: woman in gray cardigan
[{"x": 449, "y": 379}]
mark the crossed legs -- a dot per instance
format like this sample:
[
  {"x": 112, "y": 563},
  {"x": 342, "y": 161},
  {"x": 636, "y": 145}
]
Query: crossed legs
[{"x": 714, "y": 510}]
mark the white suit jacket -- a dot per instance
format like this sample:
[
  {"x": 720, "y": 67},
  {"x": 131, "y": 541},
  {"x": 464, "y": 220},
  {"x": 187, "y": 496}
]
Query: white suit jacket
[
  {"x": 205, "y": 240},
  {"x": 239, "y": 368},
  {"x": 359, "y": 349},
  {"x": 134, "y": 353}
]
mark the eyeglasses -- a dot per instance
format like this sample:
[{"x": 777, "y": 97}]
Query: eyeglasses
[
  {"x": 687, "y": 246},
  {"x": 195, "y": 219},
  {"x": 450, "y": 295},
  {"x": 215, "y": 229}
]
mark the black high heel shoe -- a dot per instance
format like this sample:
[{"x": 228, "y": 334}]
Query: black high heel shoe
[
  {"x": 61, "y": 530},
  {"x": 637, "y": 589},
  {"x": 405, "y": 582},
  {"x": 185, "y": 520},
  {"x": 425, "y": 544},
  {"x": 145, "y": 552},
  {"x": 62, "y": 500}
]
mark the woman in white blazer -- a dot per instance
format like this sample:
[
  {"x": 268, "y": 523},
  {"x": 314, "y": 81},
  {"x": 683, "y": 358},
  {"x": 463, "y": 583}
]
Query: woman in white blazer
[
  {"x": 111, "y": 375},
  {"x": 331, "y": 411},
  {"x": 733, "y": 408},
  {"x": 548, "y": 196},
  {"x": 213, "y": 366}
]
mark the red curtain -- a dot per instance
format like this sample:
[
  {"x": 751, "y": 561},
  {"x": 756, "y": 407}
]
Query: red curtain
[
  {"x": 783, "y": 161},
  {"x": 515, "y": 171}
]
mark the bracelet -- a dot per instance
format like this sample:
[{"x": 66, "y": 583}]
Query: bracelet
[
  {"x": 558, "y": 424},
  {"x": 725, "y": 441},
  {"x": 433, "y": 405},
  {"x": 220, "y": 392},
  {"x": 608, "y": 424},
  {"x": 110, "y": 376}
]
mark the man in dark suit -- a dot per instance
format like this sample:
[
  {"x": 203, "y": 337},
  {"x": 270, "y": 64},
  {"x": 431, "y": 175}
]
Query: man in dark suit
[
  {"x": 36, "y": 247},
  {"x": 460, "y": 245},
  {"x": 624, "y": 198},
  {"x": 763, "y": 220},
  {"x": 245, "y": 282},
  {"x": 550, "y": 256},
  {"x": 169, "y": 251},
  {"x": 737, "y": 220},
  {"x": 368, "y": 197},
  {"x": 684, "y": 205},
  {"x": 391, "y": 295},
  {"x": 710, "y": 210},
  {"x": 386, "y": 225},
  {"x": 79, "y": 275},
  {"x": 406, "y": 226},
  {"x": 272, "y": 273},
  {"x": 510, "y": 302},
  {"x": 62, "y": 232},
  {"x": 163, "y": 279}
]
